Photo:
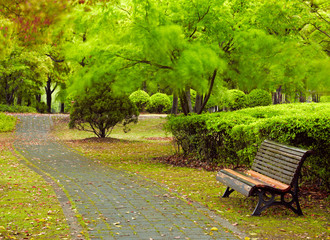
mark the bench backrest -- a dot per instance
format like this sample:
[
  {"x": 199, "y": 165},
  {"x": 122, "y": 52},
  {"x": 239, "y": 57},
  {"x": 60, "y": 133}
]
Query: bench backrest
[{"x": 279, "y": 161}]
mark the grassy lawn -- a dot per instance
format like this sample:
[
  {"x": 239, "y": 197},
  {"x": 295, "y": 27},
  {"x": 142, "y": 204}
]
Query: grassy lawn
[
  {"x": 136, "y": 152},
  {"x": 29, "y": 208}
]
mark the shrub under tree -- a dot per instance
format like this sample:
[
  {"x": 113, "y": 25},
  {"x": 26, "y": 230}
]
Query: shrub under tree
[
  {"x": 236, "y": 99},
  {"x": 259, "y": 97},
  {"x": 98, "y": 110},
  {"x": 159, "y": 103},
  {"x": 140, "y": 98}
]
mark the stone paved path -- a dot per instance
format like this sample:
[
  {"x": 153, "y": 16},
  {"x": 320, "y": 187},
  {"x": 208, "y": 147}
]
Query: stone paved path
[{"x": 117, "y": 205}]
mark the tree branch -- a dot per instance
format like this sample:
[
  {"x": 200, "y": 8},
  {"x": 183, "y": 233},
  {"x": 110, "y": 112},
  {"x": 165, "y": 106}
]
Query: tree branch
[
  {"x": 321, "y": 30},
  {"x": 55, "y": 60},
  {"x": 209, "y": 92},
  {"x": 136, "y": 61}
]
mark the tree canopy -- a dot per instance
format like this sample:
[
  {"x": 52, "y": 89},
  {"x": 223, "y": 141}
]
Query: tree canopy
[{"x": 176, "y": 46}]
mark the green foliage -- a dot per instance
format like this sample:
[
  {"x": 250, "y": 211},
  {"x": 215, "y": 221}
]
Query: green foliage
[
  {"x": 17, "y": 109},
  {"x": 233, "y": 137},
  {"x": 159, "y": 103},
  {"x": 325, "y": 99},
  {"x": 7, "y": 123},
  {"x": 98, "y": 110},
  {"x": 141, "y": 99},
  {"x": 259, "y": 97},
  {"x": 236, "y": 99},
  {"x": 41, "y": 107}
]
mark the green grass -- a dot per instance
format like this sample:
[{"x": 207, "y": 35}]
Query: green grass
[
  {"x": 29, "y": 208},
  {"x": 7, "y": 123},
  {"x": 133, "y": 152}
]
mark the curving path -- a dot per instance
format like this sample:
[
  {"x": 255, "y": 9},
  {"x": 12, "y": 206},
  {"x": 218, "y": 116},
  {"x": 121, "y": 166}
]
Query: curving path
[{"x": 115, "y": 204}]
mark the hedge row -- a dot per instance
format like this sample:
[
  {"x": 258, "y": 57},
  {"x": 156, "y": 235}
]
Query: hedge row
[
  {"x": 7, "y": 123},
  {"x": 17, "y": 109},
  {"x": 232, "y": 138}
]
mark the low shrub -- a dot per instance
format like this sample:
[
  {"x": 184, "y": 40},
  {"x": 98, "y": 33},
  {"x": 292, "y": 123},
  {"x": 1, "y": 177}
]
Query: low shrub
[
  {"x": 236, "y": 99},
  {"x": 17, "y": 109},
  {"x": 7, "y": 123},
  {"x": 98, "y": 110},
  {"x": 41, "y": 107},
  {"x": 259, "y": 97},
  {"x": 232, "y": 138},
  {"x": 325, "y": 99},
  {"x": 159, "y": 103},
  {"x": 141, "y": 99}
]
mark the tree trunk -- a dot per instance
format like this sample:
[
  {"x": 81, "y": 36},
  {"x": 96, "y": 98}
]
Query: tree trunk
[
  {"x": 188, "y": 100},
  {"x": 49, "y": 92},
  {"x": 185, "y": 101},
  {"x": 38, "y": 98},
  {"x": 277, "y": 96},
  {"x": 62, "y": 107},
  {"x": 19, "y": 98},
  {"x": 302, "y": 97},
  {"x": 175, "y": 103},
  {"x": 198, "y": 103}
]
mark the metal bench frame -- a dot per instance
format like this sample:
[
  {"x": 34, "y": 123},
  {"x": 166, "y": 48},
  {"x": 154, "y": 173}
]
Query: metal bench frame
[{"x": 274, "y": 161}]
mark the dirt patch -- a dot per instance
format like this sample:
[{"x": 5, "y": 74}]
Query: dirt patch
[
  {"x": 160, "y": 138},
  {"x": 97, "y": 140}
]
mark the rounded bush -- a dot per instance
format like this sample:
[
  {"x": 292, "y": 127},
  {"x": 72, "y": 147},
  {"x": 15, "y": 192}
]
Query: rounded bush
[
  {"x": 141, "y": 99},
  {"x": 236, "y": 99},
  {"x": 259, "y": 97},
  {"x": 159, "y": 103},
  {"x": 325, "y": 99}
]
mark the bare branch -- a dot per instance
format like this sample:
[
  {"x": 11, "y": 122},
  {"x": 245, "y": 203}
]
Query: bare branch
[
  {"x": 141, "y": 61},
  {"x": 321, "y": 30},
  {"x": 55, "y": 60}
]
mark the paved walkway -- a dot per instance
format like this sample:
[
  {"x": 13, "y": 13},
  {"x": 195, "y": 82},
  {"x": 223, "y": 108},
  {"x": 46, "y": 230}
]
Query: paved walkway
[{"x": 117, "y": 205}]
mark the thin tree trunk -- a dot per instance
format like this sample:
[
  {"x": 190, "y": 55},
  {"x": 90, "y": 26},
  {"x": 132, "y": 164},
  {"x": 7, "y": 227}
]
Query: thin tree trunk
[
  {"x": 62, "y": 107},
  {"x": 175, "y": 103},
  {"x": 188, "y": 100},
  {"x": 49, "y": 95},
  {"x": 198, "y": 103}
]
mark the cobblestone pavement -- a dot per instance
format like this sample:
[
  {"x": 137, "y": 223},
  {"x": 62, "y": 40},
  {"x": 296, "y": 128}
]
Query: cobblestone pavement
[{"x": 116, "y": 204}]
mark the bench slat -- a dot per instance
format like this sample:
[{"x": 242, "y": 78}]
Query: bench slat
[
  {"x": 234, "y": 182},
  {"x": 279, "y": 156},
  {"x": 276, "y": 161},
  {"x": 278, "y": 151},
  {"x": 276, "y": 184},
  {"x": 273, "y": 174},
  {"x": 275, "y": 144},
  {"x": 285, "y": 149},
  {"x": 275, "y": 170},
  {"x": 281, "y": 168}
]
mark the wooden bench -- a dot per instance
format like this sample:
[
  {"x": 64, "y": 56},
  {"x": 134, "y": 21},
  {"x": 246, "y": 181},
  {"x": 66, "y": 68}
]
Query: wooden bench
[{"x": 273, "y": 177}]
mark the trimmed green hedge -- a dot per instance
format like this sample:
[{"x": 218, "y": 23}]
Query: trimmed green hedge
[
  {"x": 232, "y": 138},
  {"x": 7, "y": 123},
  {"x": 17, "y": 109}
]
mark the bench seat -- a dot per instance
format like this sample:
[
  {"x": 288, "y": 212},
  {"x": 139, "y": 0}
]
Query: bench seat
[{"x": 249, "y": 181}]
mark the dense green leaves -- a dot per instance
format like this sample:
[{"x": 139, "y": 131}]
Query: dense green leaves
[
  {"x": 99, "y": 109},
  {"x": 7, "y": 123}
]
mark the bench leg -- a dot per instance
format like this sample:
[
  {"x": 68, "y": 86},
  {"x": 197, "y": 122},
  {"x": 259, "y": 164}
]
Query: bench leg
[
  {"x": 266, "y": 201},
  {"x": 289, "y": 204},
  {"x": 227, "y": 192},
  {"x": 263, "y": 203}
]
